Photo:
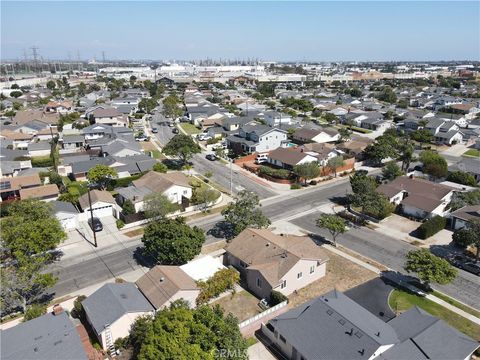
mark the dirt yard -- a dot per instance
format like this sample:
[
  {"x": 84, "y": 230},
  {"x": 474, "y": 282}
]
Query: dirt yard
[
  {"x": 342, "y": 274},
  {"x": 242, "y": 304}
]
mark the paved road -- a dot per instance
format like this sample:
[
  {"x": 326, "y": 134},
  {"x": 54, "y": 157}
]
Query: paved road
[
  {"x": 391, "y": 252},
  {"x": 120, "y": 259}
]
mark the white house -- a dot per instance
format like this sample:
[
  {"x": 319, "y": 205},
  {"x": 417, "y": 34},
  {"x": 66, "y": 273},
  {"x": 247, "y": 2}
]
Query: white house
[
  {"x": 275, "y": 118},
  {"x": 256, "y": 138},
  {"x": 66, "y": 213},
  {"x": 112, "y": 309},
  {"x": 305, "y": 135},
  {"x": 103, "y": 204}
]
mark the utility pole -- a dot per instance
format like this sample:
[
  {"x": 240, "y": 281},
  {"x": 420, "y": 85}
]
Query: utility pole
[
  {"x": 91, "y": 216},
  {"x": 231, "y": 178}
]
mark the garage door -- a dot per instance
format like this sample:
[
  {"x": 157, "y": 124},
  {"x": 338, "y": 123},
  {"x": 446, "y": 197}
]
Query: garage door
[{"x": 103, "y": 211}]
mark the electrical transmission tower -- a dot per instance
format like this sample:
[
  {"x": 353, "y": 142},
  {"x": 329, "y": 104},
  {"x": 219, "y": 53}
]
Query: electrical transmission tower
[{"x": 35, "y": 57}]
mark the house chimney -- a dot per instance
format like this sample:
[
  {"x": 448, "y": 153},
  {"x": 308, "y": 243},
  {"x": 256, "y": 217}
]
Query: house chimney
[
  {"x": 162, "y": 279},
  {"x": 362, "y": 352},
  {"x": 349, "y": 332},
  {"x": 267, "y": 244},
  {"x": 57, "y": 309}
]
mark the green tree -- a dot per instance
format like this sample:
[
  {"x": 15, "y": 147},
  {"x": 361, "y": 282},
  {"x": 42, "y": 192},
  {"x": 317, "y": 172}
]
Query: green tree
[
  {"x": 363, "y": 188},
  {"x": 422, "y": 136},
  {"x": 406, "y": 154},
  {"x": 244, "y": 213},
  {"x": 183, "y": 333},
  {"x": 330, "y": 118},
  {"x": 128, "y": 208},
  {"x": 35, "y": 311},
  {"x": 160, "y": 167},
  {"x": 345, "y": 134},
  {"x": 391, "y": 171},
  {"x": 335, "y": 163},
  {"x": 221, "y": 281},
  {"x": 467, "y": 198},
  {"x": 158, "y": 206},
  {"x": 51, "y": 85},
  {"x": 468, "y": 236},
  {"x": 334, "y": 224},
  {"x": 307, "y": 171},
  {"x": 182, "y": 146},
  {"x": 101, "y": 175},
  {"x": 388, "y": 95},
  {"x": 171, "y": 107},
  {"x": 384, "y": 147},
  {"x": 434, "y": 164},
  {"x": 429, "y": 268},
  {"x": 403, "y": 103},
  {"x": 147, "y": 105},
  {"x": 172, "y": 241},
  {"x": 205, "y": 196},
  {"x": 82, "y": 88},
  {"x": 461, "y": 177},
  {"x": 16, "y": 94}
]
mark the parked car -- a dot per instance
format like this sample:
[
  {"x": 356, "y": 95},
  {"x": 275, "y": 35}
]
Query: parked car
[
  {"x": 95, "y": 224},
  {"x": 261, "y": 158},
  {"x": 471, "y": 267},
  {"x": 204, "y": 137},
  {"x": 142, "y": 138},
  {"x": 154, "y": 130},
  {"x": 171, "y": 124},
  {"x": 263, "y": 304},
  {"x": 211, "y": 157},
  {"x": 175, "y": 131}
]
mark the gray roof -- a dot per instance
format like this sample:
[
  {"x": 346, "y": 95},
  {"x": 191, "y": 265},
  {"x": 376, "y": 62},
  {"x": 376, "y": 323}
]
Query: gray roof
[
  {"x": 133, "y": 193},
  {"x": 84, "y": 166},
  {"x": 48, "y": 337},
  {"x": 111, "y": 302},
  {"x": 41, "y": 145},
  {"x": 320, "y": 329},
  {"x": 433, "y": 336},
  {"x": 63, "y": 206},
  {"x": 119, "y": 145},
  {"x": 11, "y": 154},
  {"x": 73, "y": 139},
  {"x": 434, "y": 123},
  {"x": 471, "y": 165}
]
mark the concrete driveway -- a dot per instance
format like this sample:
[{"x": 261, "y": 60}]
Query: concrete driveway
[{"x": 373, "y": 296}]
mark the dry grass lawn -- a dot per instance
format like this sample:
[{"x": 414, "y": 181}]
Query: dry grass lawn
[
  {"x": 342, "y": 274},
  {"x": 242, "y": 304},
  {"x": 148, "y": 146}
]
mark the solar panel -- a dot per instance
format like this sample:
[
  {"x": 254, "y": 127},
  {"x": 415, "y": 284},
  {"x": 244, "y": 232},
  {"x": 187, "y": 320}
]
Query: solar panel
[{"x": 4, "y": 185}]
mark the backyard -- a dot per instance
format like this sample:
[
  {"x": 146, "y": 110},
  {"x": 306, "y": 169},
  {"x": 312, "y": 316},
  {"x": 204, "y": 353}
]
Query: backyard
[
  {"x": 401, "y": 301},
  {"x": 242, "y": 305}
]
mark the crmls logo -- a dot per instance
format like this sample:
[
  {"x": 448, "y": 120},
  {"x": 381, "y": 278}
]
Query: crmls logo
[{"x": 231, "y": 353}]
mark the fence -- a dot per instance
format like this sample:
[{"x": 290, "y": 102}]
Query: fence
[{"x": 251, "y": 325}]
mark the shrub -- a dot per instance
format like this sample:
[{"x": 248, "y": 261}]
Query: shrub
[
  {"x": 313, "y": 182},
  {"x": 276, "y": 173},
  {"x": 121, "y": 343},
  {"x": 295, "y": 186},
  {"x": 34, "y": 311},
  {"x": 42, "y": 161},
  {"x": 123, "y": 182},
  {"x": 277, "y": 297},
  {"x": 221, "y": 281},
  {"x": 120, "y": 224},
  {"x": 160, "y": 167},
  {"x": 77, "y": 311},
  {"x": 213, "y": 141},
  {"x": 431, "y": 227}
]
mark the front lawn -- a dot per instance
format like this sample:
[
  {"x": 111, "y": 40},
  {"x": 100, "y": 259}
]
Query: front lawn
[
  {"x": 401, "y": 301},
  {"x": 472, "y": 152},
  {"x": 190, "y": 129}
]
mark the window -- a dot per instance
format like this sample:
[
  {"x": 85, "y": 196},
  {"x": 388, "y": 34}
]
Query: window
[
  {"x": 284, "y": 284},
  {"x": 299, "y": 275},
  {"x": 185, "y": 192},
  {"x": 259, "y": 283},
  {"x": 312, "y": 269}
]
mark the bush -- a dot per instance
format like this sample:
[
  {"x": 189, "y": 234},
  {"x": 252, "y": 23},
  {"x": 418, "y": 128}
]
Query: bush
[
  {"x": 276, "y": 173},
  {"x": 277, "y": 297},
  {"x": 221, "y": 281},
  {"x": 123, "y": 182},
  {"x": 42, "y": 161},
  {"x": 295, "y": 186},
  {"x": 34, "y": 311},
  {"x": 77, "y": 311},
  {"x": 431, "y": 227},
  {"x": 120, "y": 224},
  {"x": 313, "y": 182},
  {"x": 213, "y": 141},
  {"x": 121, "y": 343},
  {"x": 160, "y": 167}
]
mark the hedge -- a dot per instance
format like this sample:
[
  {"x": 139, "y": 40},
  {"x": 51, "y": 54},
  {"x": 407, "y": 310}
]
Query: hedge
[
  {"x": 276, "y": 173},
  {"x": 360, "y": 130},
  {"x": 431, "y": 227},
  {"x": 42, "y": 161},
  {"x": 276, "y": 298},
  {"x": 221, "y": 281},
  {"x": 123, "y": 182}
]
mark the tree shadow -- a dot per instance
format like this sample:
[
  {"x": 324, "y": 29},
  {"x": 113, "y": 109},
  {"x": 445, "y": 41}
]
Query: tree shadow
[
  {"x": 221, "y": 230},
  {"x": 319, "y": 239},
  {"x": 173, "y": 164},
  {"x": 143, "y": 258},
  {"x": 339, "y": 200}
]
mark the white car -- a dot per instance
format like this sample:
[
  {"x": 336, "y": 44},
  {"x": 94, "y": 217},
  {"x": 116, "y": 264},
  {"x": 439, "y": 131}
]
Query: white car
[{"x": 204, "y": 137}]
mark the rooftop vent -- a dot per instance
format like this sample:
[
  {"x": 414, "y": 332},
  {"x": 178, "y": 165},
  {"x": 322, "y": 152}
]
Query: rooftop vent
[
  {"x": 162, "y": 279},
  {"x": 349, "y": 332},
  {"x": 57, "y": 309},
  {"x": 267, "y": 244},
  {"x": 361, "y": 352}
]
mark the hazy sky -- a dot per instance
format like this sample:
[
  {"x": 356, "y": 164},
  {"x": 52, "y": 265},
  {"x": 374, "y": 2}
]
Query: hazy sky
[{"x": 322, "y": 31}]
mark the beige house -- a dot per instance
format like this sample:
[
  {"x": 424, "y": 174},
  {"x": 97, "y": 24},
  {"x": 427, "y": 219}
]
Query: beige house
[
  {"x": 164, "y": 284},
  {"x": 268, "y": 261}
]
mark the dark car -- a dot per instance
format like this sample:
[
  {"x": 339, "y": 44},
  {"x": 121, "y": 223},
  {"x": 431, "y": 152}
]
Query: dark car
[
  {"x": 471, "y": 267},
  {"x": 211, "y": 157},
  {"x": 154, "y": 130},
  {"x": 175, "y": 130},
  {"x": 95, "y": 224}
]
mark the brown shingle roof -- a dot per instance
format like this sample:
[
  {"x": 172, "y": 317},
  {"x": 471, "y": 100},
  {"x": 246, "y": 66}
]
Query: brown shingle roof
[
  {"x": 289, "y": 156},
  {"x": 96, "y": 195},
  {"x": 13, "y": 135},
  {"x": 273, "y": 255},
  {"x": 162, "y": 282},
  {"x": 108, "y": 112},
  {"x": 25, "y": 116},
  {"x": 39, "y": 192},
  {"x": 468, "y": 213},
  {"x": 158, "y": 182},
  {"x": 21, "y": 182}
]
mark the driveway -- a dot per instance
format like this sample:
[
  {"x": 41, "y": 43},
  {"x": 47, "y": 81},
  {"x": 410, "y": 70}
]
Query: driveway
[{"x": 373, "y": 296}]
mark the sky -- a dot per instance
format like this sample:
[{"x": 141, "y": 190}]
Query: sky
[{"x": 269, "y": 31}]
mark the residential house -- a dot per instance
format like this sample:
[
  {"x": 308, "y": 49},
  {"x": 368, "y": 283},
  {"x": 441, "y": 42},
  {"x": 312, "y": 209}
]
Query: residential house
[
  {"x": 335, "y": 327},
  {"x": 24, "y": 116},
  {"x": 107, "y": 116},
  {"x": 256, "y": 138},
  {"x": 355, "y": 147},
  {"x": 19, "y": 140},
  {"x": 324, "y": 135},
  {"x": 418, "y": 198},
  {"x": 47, "y": 192},
  {"x": 33, "y": 127},
  {"x": 10, "y": 187},
  {"x": 164, "y": 284},
  {"x": 275, "y": 118},
  {"x": 103, "y": 204},
  {"x": 98, "y": 131},
  {"x": 461, "y": 217},
  {"x": 40, "y": 148},
  {"x": 470, "y": 165},
  {"x": 66, "y": 213},
  {"x": 323, "y": 152},
  {"x": 175, "y": 186},
  {"x": 61, "y": 107},
  {"x": 112, "y": 309},
  {"x": 9, "y": 166},
  {"x": 289, "y": 157},
  {"x": 48, "y": 337},
  {"x": 268, "y": 261},
  {"x": 72, "y": 142},
  {"x": 444, "y": 132}
]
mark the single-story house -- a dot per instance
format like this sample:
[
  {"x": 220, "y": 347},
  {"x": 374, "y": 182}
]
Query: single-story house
[
  {"x": 164, "y": 284},
  {"x": 47, "y": 337},
  {"x": 304, "y": 135},
  {"x": 72, "y": 142},
  {"x": 461, "y": 217},
  {"x": 469, "y": 165},
  {"x": 268, "y": 261},
  {"x": 418, "y": 198},
  {"x": 287, "y": 158},
  {"x": 112, "y": 309},
  {"x": 333, "y": 326},
  {"x": 10, "y": 187},
  {"x": 47, "y": 192},
  {"x": 41, "y": 148},
  {"x": 66, "y": 213},
  {"x": 103, "y": 204}
]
